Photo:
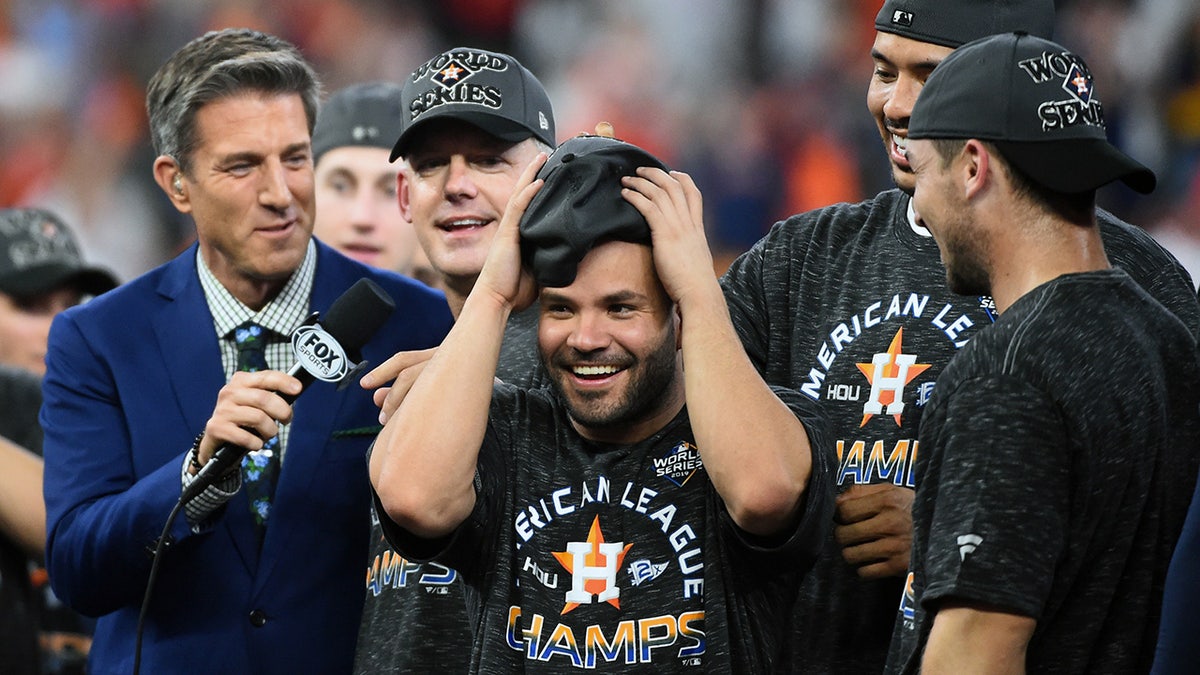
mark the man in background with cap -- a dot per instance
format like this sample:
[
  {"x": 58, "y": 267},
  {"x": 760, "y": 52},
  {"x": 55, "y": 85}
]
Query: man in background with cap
[
  {"x": 1060, "y": 448},
  {"x": 849, "y": 305},
  {"x": 357, "y": 212},
  {"x": 469, "y": 122},
  {"x": 597, "y": 523},
  {"x": 41, "y": 274}
]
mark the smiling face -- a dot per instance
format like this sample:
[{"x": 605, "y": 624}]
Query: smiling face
[
  {"x": 457, "y": 181},
  {"x": 940, "y": 207},
  {"x": 901, "y": 67},
  {"x": 357, "y": 210},
  {"x": 609, "y": 343},
  {"x": 250, "y": 191}
]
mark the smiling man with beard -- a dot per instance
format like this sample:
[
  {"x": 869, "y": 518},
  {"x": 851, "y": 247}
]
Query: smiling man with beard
[
  {"x": 601, "y": 524},
  {"x": 849, "y": 305},
  {"x": 1059, "y": 450}
]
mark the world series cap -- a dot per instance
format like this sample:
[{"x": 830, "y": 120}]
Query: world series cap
[
  {"x": 365, "y": 114},
  {"x": 38, "y": 254},
  {"x": 1036, "y": 102},
  {"x": 487, "y": 89},
  {"x": 952, "y": 23},
  {"x": 580, "y": 205}
]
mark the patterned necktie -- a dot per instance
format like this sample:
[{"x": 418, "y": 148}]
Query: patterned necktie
[{"x": 260, "y": 468}]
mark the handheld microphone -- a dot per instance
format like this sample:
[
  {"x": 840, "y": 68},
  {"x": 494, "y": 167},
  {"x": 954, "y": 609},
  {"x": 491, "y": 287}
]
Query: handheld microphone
[{"x": 325, "y": 350}]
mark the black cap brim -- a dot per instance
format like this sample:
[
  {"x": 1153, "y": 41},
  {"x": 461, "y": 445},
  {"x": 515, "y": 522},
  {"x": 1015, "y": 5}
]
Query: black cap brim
[
  {"x": 504, "y": 129},
  {"x": 1077, "y": 165},
  {"x": 44, "y": 278}
]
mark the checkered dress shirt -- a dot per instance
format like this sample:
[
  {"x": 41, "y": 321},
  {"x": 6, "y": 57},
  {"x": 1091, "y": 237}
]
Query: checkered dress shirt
[{"x": 281, "y": 316}]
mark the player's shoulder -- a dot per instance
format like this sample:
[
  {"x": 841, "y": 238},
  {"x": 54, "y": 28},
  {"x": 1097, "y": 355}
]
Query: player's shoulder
[
  {"x": 1151, "y": 266},
  {"x": 813, "y": 239},
  {"x": 843, "y": 218},
  {"x": 1118, "y": 234},
  {"x": 525, "y": 412}
]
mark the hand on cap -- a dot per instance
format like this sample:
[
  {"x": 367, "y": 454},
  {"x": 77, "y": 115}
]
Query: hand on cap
[
  {"x": 502, "y": 274},
  {"x": 673, "y": 207}
]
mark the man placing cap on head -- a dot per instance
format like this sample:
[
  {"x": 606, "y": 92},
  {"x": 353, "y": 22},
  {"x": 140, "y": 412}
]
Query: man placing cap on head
[
  {"x": 599, "y": 524},
  {"x": 1060, "y": 447},
  {"x": 849, "y": 305},
  {"x": 41, "y": 274},
  {"x": 357, "y": 211},
  {"x": 469, "y": 122}
]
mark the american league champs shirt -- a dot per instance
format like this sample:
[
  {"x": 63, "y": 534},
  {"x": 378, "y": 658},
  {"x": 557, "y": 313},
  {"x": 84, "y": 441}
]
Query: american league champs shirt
[
  {"x": 582, "y": 556},
  {"x": 414, "y": 614}
]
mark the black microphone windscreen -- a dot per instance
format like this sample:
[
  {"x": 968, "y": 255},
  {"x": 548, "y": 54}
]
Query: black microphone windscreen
[{"x": 357, "y": 314}]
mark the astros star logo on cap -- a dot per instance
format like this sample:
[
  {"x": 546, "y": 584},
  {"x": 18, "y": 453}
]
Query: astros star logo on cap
[
  {"x": 452, "y": 74},
  {"x": 1078, "y": 84}
]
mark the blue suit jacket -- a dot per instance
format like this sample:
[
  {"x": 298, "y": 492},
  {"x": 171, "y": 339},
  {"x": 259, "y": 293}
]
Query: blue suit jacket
[{"x": 132, "y": 377}]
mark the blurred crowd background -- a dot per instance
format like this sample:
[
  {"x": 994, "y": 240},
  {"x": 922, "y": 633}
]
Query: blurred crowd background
[{"x": 762, "y": 101}]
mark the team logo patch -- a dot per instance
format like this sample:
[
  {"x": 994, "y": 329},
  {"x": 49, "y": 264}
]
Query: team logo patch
[
  {"x": 889, "y": 372},
  {"x": 988, "y": 304},
  {"x": 644, "y": 570},
  {"x": 593, "y": 565},
  {"x": 451, "y": 74},
  {"x": 1078, "y": 84},
  {"x": 1083, "y": 108},
  {"x": 679, "y": 464}
]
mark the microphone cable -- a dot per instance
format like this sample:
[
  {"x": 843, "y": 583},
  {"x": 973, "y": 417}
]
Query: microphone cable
[{"x": 352, "y": 319}]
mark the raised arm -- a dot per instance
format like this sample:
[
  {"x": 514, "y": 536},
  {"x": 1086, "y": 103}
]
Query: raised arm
[
  {"x": 22, "y": 511},
  {"x": 754, "y": 448},
  {"x": 423, "y": 463}
]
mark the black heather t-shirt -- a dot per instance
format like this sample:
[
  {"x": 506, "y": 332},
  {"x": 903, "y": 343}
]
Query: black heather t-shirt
[
  {"x": 1059, "y": 454},
  {"x": 617, "y": 558},
  {"x": 414, "y": 617},
  {"x": 848, "y": 304}
]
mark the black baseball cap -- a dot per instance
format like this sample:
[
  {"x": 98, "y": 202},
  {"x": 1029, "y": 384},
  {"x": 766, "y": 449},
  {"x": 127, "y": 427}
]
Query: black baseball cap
[
  {"x": 1036, "y": 102},
  {"x": 38, "y": 254},
  {"x": 366, "y": 114},
  {"x": 490, "y": 90},
  {"x": 580, "y": 205},
  {"x": 952, "y": 23}
]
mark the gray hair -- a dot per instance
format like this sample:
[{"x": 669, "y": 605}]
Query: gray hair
[{"x": 216, "y": 65}]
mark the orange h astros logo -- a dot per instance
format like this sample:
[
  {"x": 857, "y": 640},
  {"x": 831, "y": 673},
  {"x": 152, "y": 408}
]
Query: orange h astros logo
[
  {"x": 593, "y": 565},
  {"x": 889, "y": 372}
]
